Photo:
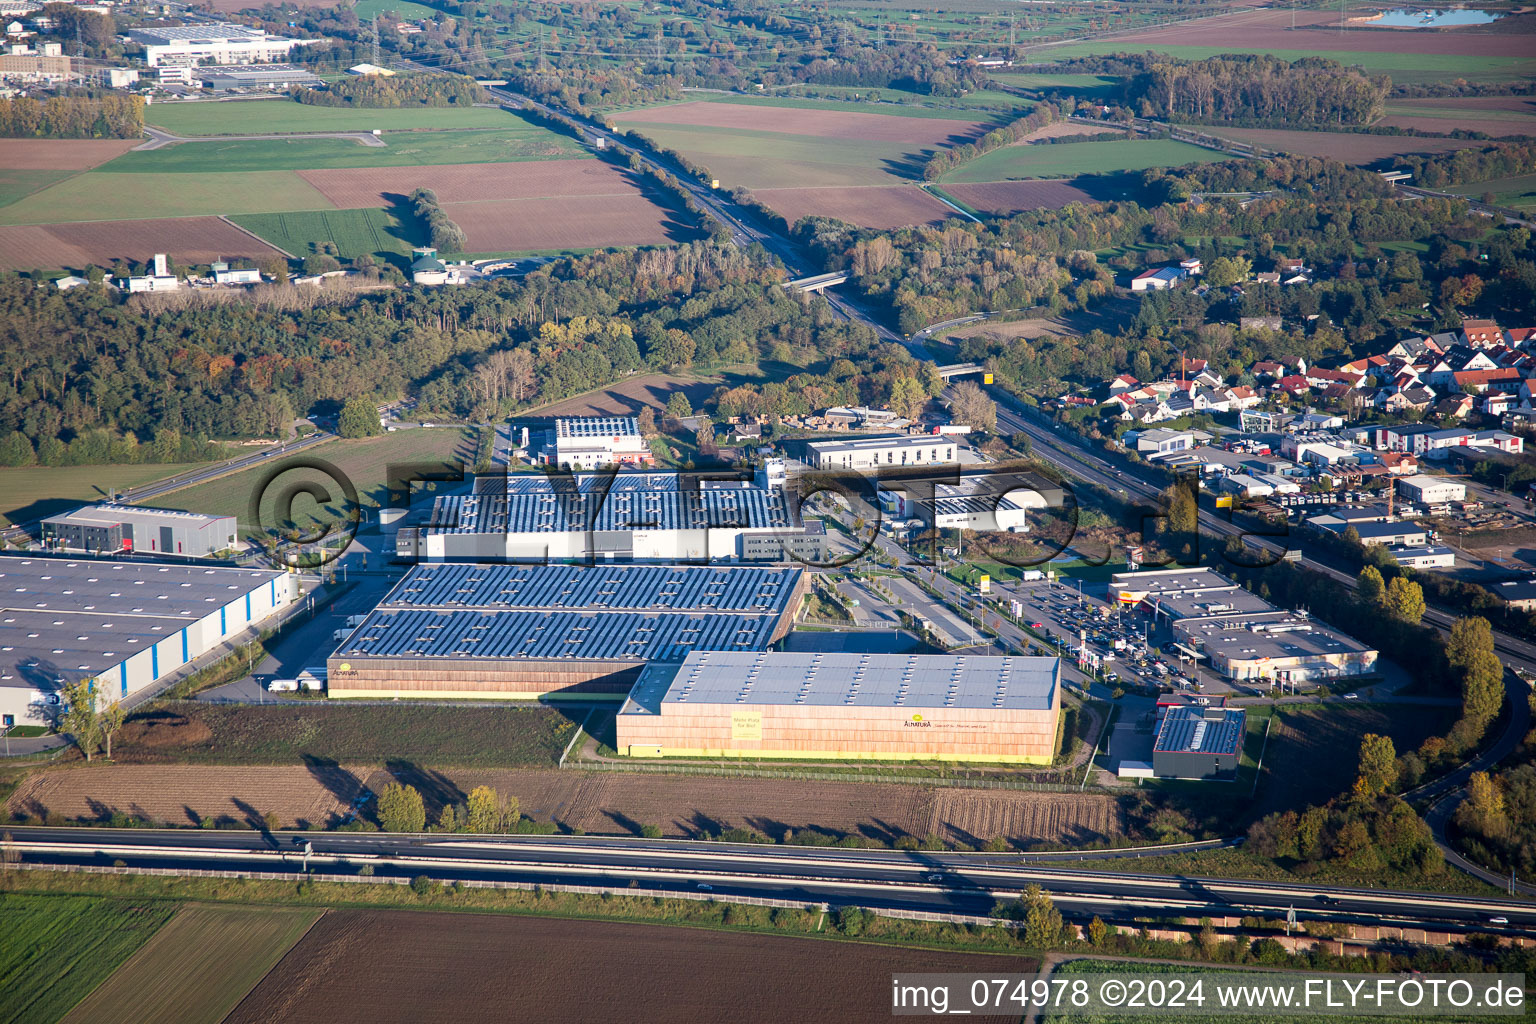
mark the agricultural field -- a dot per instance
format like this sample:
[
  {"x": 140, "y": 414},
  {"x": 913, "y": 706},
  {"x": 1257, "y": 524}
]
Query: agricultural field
[
  {"x": 196, "y": 967},
  {"x": 1519, "y": 193},
  {"x": 430, "y": 734},
  {"x": 1346, "y": 147},
  {"x": 984, "y": 104},
  {"x": 1026, "y": 160},
  {"x": 364, "y": 461},
  {"x": 188, "y": 240},
  {"x": 355, "y": 233},
  {"x": 1005, "y": 198},
  {"x": 99, "y": 196},
  {"x": 59, "y": 948},
  {"x": 298, "y": 192},
  {"x": 1493, "y": 115},
  {"x": 284, "y": 116},
  {"x": 334, "y": 775},
  {"x": 870, "y": 206},
  {"x": 1408, "y": 56},
  {"x": 32, "y": 492},
  {"x": 805, "y": 158},
  {"x": 404, "y": 965}
]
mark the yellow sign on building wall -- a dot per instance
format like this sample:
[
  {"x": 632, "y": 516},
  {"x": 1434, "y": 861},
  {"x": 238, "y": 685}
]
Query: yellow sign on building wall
[{"x": 746, "y": 725}]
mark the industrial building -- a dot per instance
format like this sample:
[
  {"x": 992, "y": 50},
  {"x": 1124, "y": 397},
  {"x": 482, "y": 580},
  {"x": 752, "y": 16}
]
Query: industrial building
[
  {"x": 585, "y": 443},
  {"x": 126, "y": 528},
  {"x": 861, "y": 453},
  {"x": 220, "y": 43},
  {"x": 628, "y": 517},
  {"x": 500, "y": 632},
  {"x": 996, "y": 502},
  {"x": 1431, "y": 490},
  {"x": 845, "y": 706},
  {"x": 1199, "y": 743},
  {"x": 257, "y": 76},
  {"x": 805, "y": 546},
  {"x": 125, "y": 624},
  {"x": 1240, "y": 634}
]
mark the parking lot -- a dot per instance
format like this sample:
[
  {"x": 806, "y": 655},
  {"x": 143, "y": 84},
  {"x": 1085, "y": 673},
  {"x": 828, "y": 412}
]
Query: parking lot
[{"x": 1123, "y": 642}]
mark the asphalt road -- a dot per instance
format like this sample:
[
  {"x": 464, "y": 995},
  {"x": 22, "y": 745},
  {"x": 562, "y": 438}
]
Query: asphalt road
[
  {"x": 942, "y": 882},
  {"x": 159, "y": 137}
]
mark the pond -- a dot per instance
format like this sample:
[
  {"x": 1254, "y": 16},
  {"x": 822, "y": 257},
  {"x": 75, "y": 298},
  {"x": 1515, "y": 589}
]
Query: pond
[{"x": 1408, "y": 18}]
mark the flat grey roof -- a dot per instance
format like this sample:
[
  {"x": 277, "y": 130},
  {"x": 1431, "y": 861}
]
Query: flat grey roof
[
  {"x": 1279, "y": 634},
  {"x": 74, "y": 618},
  {"x": 851, "y": 680},
  {"x": 535, "y": 503},
  {"x": 601, "y": 613},
  {"x": 1203, "y": 603},
  {"x": 109, "y": 515},
  {"x": 854, "y": 444},
  {"x": 162, "y": 35},
  {"x": 1173, "y": 581}
]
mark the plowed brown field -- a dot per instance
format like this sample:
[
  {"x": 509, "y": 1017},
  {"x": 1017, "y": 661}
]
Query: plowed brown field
[
  {"x": 566, "y": 222},
  {"x": 878, "y": 206},
  {"x": 596, "y": 802},
  {"x": 1495, "y": 115},
  {"x": 1005, "y": 197},
  {"x": 628, "y": 398},
  {"x": 356, "y": 188},
  {"x": 1345, "y": 147},
  {"x": 826, "y": 124},
  {"x": 185, "y": 794},
  {"x": 61, "y": 154},
  {"x": 186, "y": 239},
  {"x": 368, "y": 966}
]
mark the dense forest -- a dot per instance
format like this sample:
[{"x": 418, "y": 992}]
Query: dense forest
[
  {"x": 1257, "y": 88},
  {"x": 396, "y": 91},
  {"x": 92, "y": 359},
  {"x": 110, "y": 116}
]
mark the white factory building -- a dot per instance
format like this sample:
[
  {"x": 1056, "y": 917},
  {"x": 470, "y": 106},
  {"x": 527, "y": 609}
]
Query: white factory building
[
  {"x": 125, "y": 624},
  {"x": 994, "y": 502},
  {"x": 187, "y": 45},
  {"x": 861, "y": 453},
  {"x": 585, "y": 443},
  {"x": 1431, "y": 490}
]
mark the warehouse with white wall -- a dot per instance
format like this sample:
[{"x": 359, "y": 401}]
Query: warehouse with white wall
[{"x": 127, "y": 625}]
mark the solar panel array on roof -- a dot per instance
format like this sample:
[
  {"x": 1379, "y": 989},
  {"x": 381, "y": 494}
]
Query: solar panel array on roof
[
  {"x": 863, "y": 680},
  {"x": 597, "y": 426},
  {"x": 675, "y": 588},
  {"x": 1198, "y": 730},
  {"x": 528, "y": 509},
  {"x": 630, "y": 612}
]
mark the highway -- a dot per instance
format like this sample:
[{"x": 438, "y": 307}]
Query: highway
[{"x": 936, "y": 882}]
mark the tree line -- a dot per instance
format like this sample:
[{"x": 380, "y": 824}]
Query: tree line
[
  {"x": 72, "y": 117},
  {"x": 444, "y": 234},
  {"x": 1017, "y": 130},
  {"x": 1467, "y": 166},
  {"x": 410, "y": 90}
]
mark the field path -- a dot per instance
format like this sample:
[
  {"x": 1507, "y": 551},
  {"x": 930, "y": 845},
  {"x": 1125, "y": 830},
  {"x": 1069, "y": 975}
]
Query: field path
[{"x": 159, "y": 138}]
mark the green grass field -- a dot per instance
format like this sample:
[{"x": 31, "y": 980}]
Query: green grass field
[
  {"x": 1071, "y": 159},
  {"x": 259, "y": 117},
  {"x": 1086, "y": 86},
  {"x": 363, "y": 461},
  {"x": 57, "y": 949},
  {"x": 401, "y": 149},
  {"x": 198, "y": 966},
  {"x": 366, "y": 10},
  {"x": 37, "y": 491},
  {"x": 96, "y": 195},
  {"x": 355, "y": 232},
  {"x": 16, "y": 185},
  {"x": 1519, "y": 193},
  {"x": 466, "y": 737}
]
